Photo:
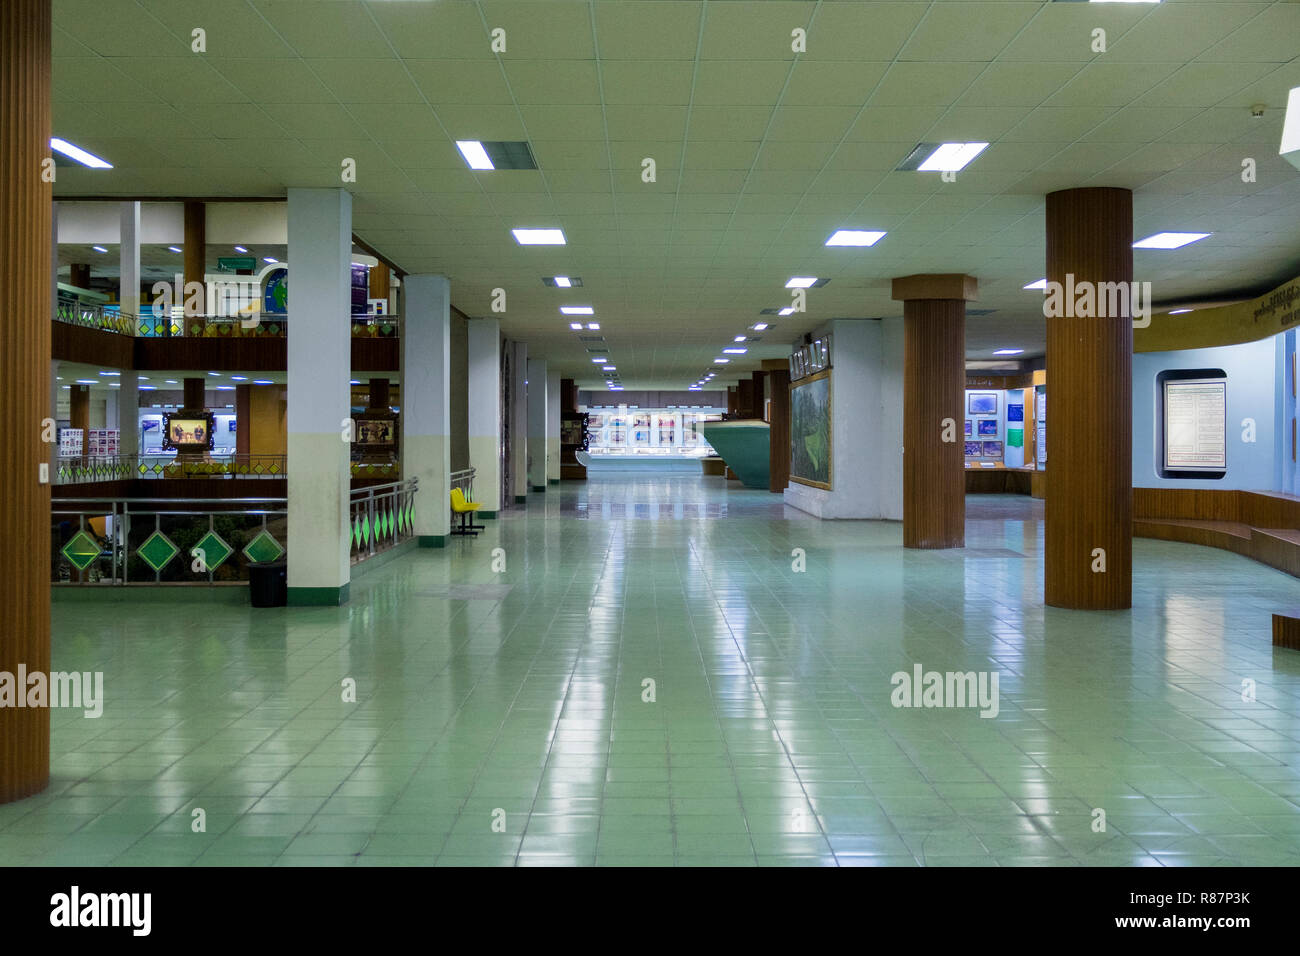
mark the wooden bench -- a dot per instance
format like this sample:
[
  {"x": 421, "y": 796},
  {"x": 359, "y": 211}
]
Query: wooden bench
[{"x": 1261, "y": 525}]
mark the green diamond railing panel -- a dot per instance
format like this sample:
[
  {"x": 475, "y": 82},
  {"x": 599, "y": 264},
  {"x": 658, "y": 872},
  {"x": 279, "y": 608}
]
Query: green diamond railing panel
[
  {"x": 215, "y": 550},
  {"x": 263, "y": 548},
  {"x": 157, "y": 551},
  {"x": 81, "y": 550}
]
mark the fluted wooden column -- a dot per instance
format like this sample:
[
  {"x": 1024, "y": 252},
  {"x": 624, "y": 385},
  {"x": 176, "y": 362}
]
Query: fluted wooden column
[
  {"x": 24, "y": 383},
  {"x": 934, "y": 383},
  {"x": 1090, "y": 416}
]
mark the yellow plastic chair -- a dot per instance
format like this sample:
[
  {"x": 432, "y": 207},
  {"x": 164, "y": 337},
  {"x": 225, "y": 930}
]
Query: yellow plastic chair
[{"x": 465, "y": 510}]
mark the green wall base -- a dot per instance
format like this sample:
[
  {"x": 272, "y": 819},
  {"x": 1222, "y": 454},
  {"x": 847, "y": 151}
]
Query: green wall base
[
  {"x": 485, "y": 514},
  {"x": 433, "y": 541},
  {"x": 554, "y": 481},
  {"x": 539, "y": 487},
  {"x": 521, "y": 499},
  {"x": 318, "y": 597}
]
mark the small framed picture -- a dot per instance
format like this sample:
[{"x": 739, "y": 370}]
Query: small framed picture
[
  {"x": 992, "y": 449},
  {"x": 988, "y": 426},
  {"x": 973, "y": 449},
  {"x": 968, "y": 426},
  {"x": 981, "y": 403}
]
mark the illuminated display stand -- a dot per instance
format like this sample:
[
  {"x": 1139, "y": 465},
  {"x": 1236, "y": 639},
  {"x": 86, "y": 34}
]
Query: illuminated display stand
[
  {"x": 627, "y": 431},
  {"x": 1004, "y": 433}
]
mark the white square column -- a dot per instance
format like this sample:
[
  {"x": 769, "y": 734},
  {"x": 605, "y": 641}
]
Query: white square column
[
  {"x": 519, "y": 422},
  {"x": 553, "y": 428},
  {"x": 128, "y": 286},
  {"x": 483, "y": 345},
  {"x": 320, "y": 359},
  {"x": 426, "y": 403},
  {"x": 537, "y": 409}
]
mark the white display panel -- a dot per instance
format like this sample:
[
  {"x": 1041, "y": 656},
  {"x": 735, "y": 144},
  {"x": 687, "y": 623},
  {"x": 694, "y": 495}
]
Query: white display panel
[{"x": 1196, "y": 425}]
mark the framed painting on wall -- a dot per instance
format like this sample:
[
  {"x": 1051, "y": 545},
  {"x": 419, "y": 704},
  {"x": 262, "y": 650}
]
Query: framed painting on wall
[
  {"x": 810, "y": 431},
  {"x": 981, "y": 403}
]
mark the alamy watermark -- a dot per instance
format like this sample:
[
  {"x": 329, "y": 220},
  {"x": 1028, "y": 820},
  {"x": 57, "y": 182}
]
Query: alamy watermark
[
  {"x": 1098, "y": 300},
  {"x": 948, "y": 689},
  {"x": 56, "y": 689}
]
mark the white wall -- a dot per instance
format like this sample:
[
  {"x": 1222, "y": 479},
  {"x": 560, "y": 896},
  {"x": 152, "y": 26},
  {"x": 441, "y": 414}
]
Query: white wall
[{"x": 866, "y": 424}]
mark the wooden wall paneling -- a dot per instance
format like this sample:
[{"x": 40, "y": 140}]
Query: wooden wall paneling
[
  {"x": 1090, "y": 507},
  {"x": 745, "y": 398},
  {"x": 25, "y": 232},
  {"x": 74, "y": 343}
]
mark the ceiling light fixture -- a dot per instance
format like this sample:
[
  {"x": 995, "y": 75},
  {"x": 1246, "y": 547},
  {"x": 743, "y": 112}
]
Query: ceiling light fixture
[
  {"x": 734, "y": 351},
  {"x": 174, "y": 248},
  {"x": 940, "y": 157},
  {"x": 801, "y": 282},
  {"x": 1007, "y": 351},
  {"x": 1179, "y": 311},
  {"x": 577, "y": 310},
  {"x": 99, "y": 248},
  {"x": 539, "y": 237},
  {"x": 854, "y": 237},
  {"x": 78, "y": 154},
  {"x": 1170, "y": 240},
  {"x": 593, "y": 326},
  {"x": 1040, "y": 284},
  {"x": 240, "y": 249},
  {"x": 576, "y": 326}
]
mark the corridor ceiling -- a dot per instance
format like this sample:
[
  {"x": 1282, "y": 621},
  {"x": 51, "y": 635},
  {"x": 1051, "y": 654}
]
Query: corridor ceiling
[{"x": 760, "y": 152}]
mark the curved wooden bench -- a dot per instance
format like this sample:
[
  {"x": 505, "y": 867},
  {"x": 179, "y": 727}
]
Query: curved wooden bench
[{"x": 1261, "y": 525}]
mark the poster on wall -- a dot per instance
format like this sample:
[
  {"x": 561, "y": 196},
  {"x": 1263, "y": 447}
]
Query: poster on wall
[
  {"x": 810, "y": 431},
  {"x": 1196, "y": 425},
  {"x": 1040, "y": 442},
  {"x": 974, "y": 449},
  {"x": 981, "y": 403},
  {"x": 988, "y": 426}
]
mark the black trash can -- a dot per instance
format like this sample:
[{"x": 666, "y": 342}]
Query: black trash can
[{"x": 268, "y": 583}]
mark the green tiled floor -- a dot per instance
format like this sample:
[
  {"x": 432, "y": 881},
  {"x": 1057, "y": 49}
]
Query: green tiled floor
[{"x": 517, "y": 697}]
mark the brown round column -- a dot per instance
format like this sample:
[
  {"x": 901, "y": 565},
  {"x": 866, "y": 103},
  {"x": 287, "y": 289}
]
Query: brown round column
[
  {"x": 934, "y": 382},
  {"x": 24, "y": 384},
  {"x": 1090, "y": 413}
]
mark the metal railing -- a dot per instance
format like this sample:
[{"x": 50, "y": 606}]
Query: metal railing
[
  {"x": 173, "y": 324},
  {"x": 381, "y": 517},
  {"x": 71, "y": 471},
  {"x": 92, "y": 316},
  {"x": 464, "y": 480},
  {"x": 132, "y": 541}
]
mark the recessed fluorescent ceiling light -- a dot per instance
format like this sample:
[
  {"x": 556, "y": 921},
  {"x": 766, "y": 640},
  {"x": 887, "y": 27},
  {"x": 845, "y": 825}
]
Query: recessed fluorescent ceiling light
[
  {"x": 786, "y": 311},
  {"x": 1007, "y": 351},
  {"x": 174, "y": 248},
  {"x": 854, "y": 237},
  {"x": 577, "y": 310},
  {"x": 239, "y": 378},
  {"x": 539, "y": 237},
  {"x": 87, "y": 381},
  {"x": 269, "y": 259},
  {"x": 496, "y": 154},
  {"x": 240, "y": 249},
  {"x": 951, "y": 157},
  {"x": 600, "y": 361},
  {"x": 225, "y": 388},
  {"x": 110, "y": 373},
  {"x": 148, "y": 388},
  {"x": 593, "y": 326},
  {"x": 609, "y": 368},
  {"x": 563, "y": 282},
  {"x": 739, "y": 338},
  {"x": 1040, "y": 284},
  {"x": 940, "y": 157},
  {"x": 1179, "y": 311},
  {"x": 721, "y": 361},
  {"x": 263, "y": 381},
  {"x": 576, "y": 326},
  {"x": 78, "y": 154},
  {"x": 474, "y": 154},
  {"x": 734, "y": 351},
  {"x": 1169, "y": 240},
  {"x": 99, "y": 248},
  {"x": 801, "y": 282}
]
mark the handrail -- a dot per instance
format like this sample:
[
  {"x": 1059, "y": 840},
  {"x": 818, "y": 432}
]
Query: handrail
[
  {"x": 173, "y": 323},
  {"x": 87, "y": 468}
]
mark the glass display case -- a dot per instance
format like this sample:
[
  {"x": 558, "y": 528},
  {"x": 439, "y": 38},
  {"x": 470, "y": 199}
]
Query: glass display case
[{"x": 628, "y": 431}]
